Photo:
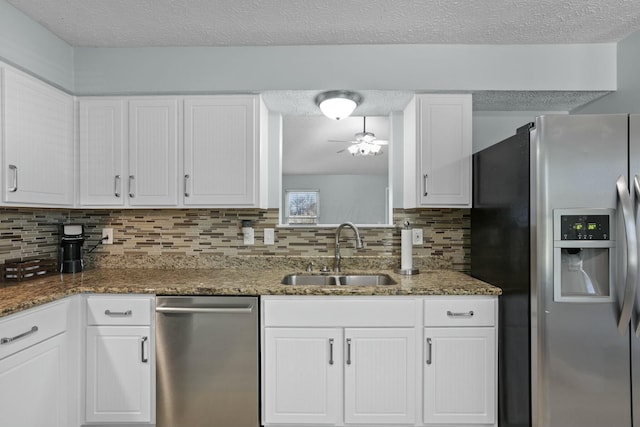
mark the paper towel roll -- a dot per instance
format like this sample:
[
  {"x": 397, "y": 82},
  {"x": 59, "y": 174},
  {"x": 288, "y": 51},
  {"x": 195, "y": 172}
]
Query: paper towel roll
[{"x": 406, "y": 259}]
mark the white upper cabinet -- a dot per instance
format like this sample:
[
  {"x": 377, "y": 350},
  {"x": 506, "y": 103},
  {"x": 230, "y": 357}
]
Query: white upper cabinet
[
  {"x": 38, "y": 142},
  {"x": 222, "y": 159},
  {"x": 128, "y": 151},
  {"x": 102, "y": 150},
  {"x": 143, "y": 151},
  {"x": 153, "y": 152},
  {"x": 438, "y": 149}
]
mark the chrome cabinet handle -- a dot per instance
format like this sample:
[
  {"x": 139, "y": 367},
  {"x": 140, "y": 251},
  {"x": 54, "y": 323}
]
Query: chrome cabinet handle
[
  {"x": 348, "y": 351},
  {"x": 460, "y": 314},
  {"x": 429, "y": 348},
  {"x": 330, "y": 351},
  {"x": 186, "y": 182},
  {"x": 144, "y": 358},
  {"x": 118, "y": 313},
  {"x": 14, "y": 187},
  {"x": 8, "y": 340},
  {"x": 116, "y": 185},
  {"x": 131, "y": 178},
  {"x": 425, "y": 178},
  {"x": 631, "y": 276}
]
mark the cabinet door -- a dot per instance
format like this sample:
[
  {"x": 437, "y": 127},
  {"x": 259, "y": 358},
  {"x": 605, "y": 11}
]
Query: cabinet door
[
  {"x": 38, "y": 145},
  {"x": 303, "y": 375},
  {"x": 460, "y": 376},
  {"x": 33, "y": 386},
  {"x": 444, "y": 150},
  {"x": 101, "y": 152},
  {"x": 153, "y": 152},
  {"x": 118, "y": 377},
  {"x": 380, "y": 373},
  {"x": 221, "y": 151}
]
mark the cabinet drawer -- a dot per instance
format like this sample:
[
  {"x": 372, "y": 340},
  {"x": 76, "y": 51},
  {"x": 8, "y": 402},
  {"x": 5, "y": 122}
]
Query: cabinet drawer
[
  {"x": 118, "y": 311},
  {"x": 460, "y": 311},
  {"x": 340, "y": 311},
  {"x": 22, "y": 330}
]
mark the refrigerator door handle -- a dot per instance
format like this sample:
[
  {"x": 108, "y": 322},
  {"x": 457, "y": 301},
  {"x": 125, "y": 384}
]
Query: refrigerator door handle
[
  {"x": 636, "y": 188},
  {"x": 632, "y": 256}
]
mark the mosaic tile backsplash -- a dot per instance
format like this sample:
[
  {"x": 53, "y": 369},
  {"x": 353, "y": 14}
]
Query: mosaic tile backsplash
[{"x": 206, "y": 238}]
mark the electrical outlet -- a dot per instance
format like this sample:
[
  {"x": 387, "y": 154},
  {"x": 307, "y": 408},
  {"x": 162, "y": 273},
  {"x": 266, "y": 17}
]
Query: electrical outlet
[
  {"x": 416, "y": 234},
  {"x": 108, "y": 233},
  {"x": 269, "y": 236}
]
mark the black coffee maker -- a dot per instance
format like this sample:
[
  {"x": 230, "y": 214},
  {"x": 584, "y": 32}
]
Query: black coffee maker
[{"x": 71, "y": 241}]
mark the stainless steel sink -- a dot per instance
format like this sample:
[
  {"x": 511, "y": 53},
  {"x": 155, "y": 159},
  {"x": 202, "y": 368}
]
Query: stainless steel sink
[
  {"x": 366, "y": 280},
  {"x": 338, "y": 280}
]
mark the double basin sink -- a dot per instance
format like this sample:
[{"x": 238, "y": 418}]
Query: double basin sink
[{"x": 338, "y": 280}]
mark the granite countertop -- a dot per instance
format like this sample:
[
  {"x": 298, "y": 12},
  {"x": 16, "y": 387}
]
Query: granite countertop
[{"x": 23, "y": 295}]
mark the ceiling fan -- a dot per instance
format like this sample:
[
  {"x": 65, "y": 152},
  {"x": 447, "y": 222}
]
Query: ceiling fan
[{"x": 364, "y": 144}]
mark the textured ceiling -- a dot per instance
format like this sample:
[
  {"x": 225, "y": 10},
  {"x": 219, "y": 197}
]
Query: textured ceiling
[
  {"x": 127, "y": 23},
  {"x": 139, "y": 23}
]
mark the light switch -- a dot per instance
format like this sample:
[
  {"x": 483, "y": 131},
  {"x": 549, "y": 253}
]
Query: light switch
[{"x": 269, "y": 236}]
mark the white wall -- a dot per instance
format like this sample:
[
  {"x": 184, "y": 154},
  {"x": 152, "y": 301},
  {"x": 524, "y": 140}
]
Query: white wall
[
  {"x": 396, "y": 67},
  {"x": 491, "y": 127},
  {"x": 27, "y": 45},
  {"x": 627, "y": 98}
]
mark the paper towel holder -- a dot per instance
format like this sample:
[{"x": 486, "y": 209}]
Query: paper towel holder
[{"x": 406, "y": 271}]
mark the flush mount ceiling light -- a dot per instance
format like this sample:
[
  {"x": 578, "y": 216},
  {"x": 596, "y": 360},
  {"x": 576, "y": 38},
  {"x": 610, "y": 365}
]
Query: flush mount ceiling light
[{"x": 338, "y": 104}]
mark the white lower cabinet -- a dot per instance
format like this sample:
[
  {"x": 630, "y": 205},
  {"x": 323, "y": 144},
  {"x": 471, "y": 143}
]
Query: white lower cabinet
[
  {"x": 380, "y": 376},
  {"x": 120, "y": 360},
  {"x": 358, "y": 361},
  {"x": 33, "y": 386},
  {"x": 34, "y": 368},
  {"x": 459, "y": 376},
  {"x": 118, "y": 382},
  {"x": 303, "y": 375}
]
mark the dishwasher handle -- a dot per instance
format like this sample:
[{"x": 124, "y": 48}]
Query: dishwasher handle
[{"x": 189, "y": 310}]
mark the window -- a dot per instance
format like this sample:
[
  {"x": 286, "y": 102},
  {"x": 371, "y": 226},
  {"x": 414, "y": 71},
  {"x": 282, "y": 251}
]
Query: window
[{"x": 302, "y": 206}]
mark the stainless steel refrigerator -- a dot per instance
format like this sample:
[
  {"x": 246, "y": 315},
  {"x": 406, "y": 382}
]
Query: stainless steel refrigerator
[{"x": 554, "y": 225}]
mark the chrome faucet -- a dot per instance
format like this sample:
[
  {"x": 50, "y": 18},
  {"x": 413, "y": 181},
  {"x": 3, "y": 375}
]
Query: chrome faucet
[{"x": 359, "y": 245}]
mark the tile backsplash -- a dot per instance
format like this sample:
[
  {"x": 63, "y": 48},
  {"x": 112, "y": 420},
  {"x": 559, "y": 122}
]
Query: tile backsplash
[{"x": 193, "y": 238}]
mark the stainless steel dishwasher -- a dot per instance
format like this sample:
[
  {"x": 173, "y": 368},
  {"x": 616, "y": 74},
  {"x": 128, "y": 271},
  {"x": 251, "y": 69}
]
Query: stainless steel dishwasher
[{"x": 207, "y": 361}]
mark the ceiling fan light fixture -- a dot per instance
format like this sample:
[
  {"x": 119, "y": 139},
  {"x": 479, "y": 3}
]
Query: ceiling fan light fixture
[{"x": 338, "y": 104}]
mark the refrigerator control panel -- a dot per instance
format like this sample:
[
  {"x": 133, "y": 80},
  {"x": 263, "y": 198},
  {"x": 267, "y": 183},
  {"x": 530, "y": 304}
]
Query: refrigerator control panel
[{"x": 584, "y": 227}]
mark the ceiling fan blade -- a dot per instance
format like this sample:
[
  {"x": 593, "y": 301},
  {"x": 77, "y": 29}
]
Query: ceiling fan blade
[
  {"x": 380, "y": 142},
  {"x": 339, "y": 140},
  {"x": 341, "y": 151}
]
